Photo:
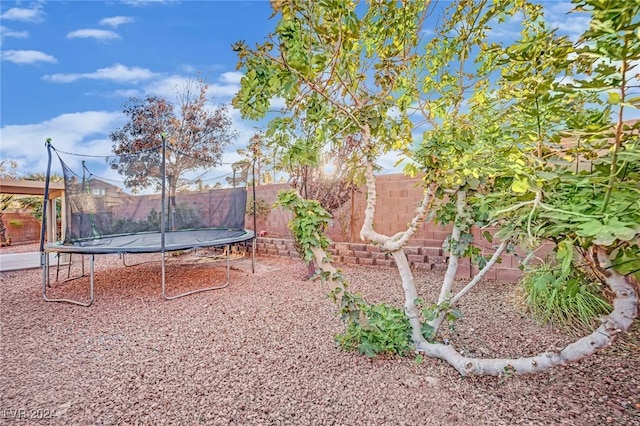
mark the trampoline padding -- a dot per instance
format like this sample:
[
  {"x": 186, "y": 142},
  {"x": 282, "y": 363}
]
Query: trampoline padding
[{"x": 150, "y": 242}]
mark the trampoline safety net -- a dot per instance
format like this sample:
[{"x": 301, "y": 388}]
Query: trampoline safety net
[{"x": 96, "y": 209}]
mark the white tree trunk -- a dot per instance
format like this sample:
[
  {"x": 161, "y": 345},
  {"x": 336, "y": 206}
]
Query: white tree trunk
[
  {"x": 437, "y": 322},
  {"x": 625, "y": 310},
  {"x": 478, "y": 277},
  {"x": 410, "y": 294},
  {"x": 452, "y": 268},
  {"x": 394, "y": 246}
]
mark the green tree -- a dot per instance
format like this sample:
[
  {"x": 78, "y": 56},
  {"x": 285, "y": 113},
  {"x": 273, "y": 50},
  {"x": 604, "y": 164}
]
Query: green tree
[
  {"x": 580, "y": 190},
  {"x": 8, "y": 170},
  {"x": 490, "y": 119}
]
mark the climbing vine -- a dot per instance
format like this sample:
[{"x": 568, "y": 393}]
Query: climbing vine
[{"x": 371, "y": 329}]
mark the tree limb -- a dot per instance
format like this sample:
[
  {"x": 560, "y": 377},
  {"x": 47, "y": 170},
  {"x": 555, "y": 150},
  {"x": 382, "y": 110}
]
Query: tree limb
[{"x": 625, "y": 310}]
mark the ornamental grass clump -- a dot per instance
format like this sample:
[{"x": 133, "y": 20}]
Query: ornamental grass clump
[{"x": 572, "y": 301}]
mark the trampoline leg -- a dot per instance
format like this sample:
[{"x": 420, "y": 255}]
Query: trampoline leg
[
  {"x": 253, "y": 256},
  {"x": 58, "y": 266},
  {"x": 44, "y": 262},
  {"x": 124, "y": 261},
  {"x": 164, "y": 281},
  {"x": 200, "y": 290},
  {"x": 45, "y": 282},
  {"x": 69, "y": 277},
  {"x": 228, "y": 266}
]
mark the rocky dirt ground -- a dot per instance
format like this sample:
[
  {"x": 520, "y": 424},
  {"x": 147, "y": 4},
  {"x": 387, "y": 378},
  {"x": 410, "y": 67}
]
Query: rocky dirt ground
[{"x": 261, "y": 351}]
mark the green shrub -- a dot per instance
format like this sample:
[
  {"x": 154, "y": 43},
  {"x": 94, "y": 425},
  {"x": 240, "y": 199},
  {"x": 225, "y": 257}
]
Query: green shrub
[
  {"x": 378, "y": 329},
  {"x": 572, "y": 301}
]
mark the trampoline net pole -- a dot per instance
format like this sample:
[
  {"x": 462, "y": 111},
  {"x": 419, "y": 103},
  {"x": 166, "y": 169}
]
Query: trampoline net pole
[{"x": 163, "y": 175}]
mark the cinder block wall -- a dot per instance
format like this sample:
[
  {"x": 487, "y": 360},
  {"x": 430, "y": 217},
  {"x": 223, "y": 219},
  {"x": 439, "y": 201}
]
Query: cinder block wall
[
  {"x": 22, "y": 227},
  {"x": 424, "y": 258},
  {"x": 275, "y": 223},
  {"x": 398, "y": 198}
]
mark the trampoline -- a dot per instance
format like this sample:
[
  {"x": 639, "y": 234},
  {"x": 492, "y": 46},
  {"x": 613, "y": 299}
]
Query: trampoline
[{"x": 102, "y": 219}]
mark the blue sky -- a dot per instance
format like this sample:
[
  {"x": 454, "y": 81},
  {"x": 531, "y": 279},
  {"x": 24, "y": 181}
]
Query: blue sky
[{"x": 68, "y": 67}]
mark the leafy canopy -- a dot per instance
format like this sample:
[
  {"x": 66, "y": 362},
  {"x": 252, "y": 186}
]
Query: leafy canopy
[{"x": 197, "y": 134}]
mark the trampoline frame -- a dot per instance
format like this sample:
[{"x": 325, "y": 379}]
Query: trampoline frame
[{"x": 163, "y": 249}]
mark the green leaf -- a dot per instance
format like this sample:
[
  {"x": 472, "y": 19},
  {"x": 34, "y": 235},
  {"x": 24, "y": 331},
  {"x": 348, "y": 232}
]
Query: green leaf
[
  {"x": 520, "y": 186},
  {"x": 427, "y": 331},
  {"x": 455, "y": 313},
  {"x": 590, "y": 228},
  {"x": 627, "y": 262},
  {"x": 565, "y": 255},
  {"x": 622, "y": 231},
  {"x": 614, "y": 98}
]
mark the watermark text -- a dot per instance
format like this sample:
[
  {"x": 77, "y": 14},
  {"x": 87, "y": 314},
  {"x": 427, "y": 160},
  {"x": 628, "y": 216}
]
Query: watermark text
[{"x": 27, "y": 414}]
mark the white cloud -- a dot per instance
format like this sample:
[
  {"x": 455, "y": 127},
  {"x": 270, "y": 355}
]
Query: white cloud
[
  {"x": 27, "y": 56},
  {"x": 117, "y": 73},
  {"x": 76, "y": 132},
  {"x": 166, "y": 86},
  {"x": 231, "y": 77},
  {"x": 189, "y": 69},
  {"x": 8, "y": 32},
  {"x": 126, "y": 93},
  {"x": 119, "y": 93},
  {"x": 101, "y": 35},
  {"x": 388, "y": 160},
  {"x": 570, "y": 24},
  {"x": 26, "y": 15},
  {"x": 116, "y": 21},
  {"x": 557, "y": 8},
  {"x": 245, "y": 131},
  {"x": 230, "y": 84},
  {"x": 278, "y": 104},
  {"x": 509, "y": 29},
  {"x": 222, "y": 91}
]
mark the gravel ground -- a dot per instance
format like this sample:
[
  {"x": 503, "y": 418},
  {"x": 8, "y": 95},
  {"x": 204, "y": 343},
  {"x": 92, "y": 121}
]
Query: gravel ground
[
  {"x": 20, "y": 248},
  {"x": 261, "y": 351}
]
